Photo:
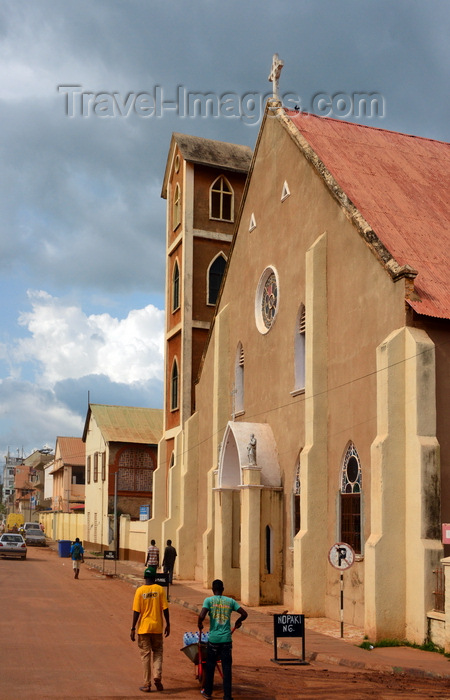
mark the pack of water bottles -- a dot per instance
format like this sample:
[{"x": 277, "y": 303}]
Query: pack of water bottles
[{"x": 192, "y": 638}]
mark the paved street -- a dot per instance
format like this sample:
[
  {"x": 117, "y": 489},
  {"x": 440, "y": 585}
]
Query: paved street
[{"x": 66, "y": 638}]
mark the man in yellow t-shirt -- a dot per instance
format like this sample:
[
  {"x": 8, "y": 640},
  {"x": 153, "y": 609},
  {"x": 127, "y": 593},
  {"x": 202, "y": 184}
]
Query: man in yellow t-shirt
[{"x": 149, "y": 608}]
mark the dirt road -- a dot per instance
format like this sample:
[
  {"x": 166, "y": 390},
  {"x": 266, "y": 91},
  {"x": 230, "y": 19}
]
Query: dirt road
[{"x": 66, "y": 638}]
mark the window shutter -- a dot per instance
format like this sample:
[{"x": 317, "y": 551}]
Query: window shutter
[{"x": 302, "y": 324}]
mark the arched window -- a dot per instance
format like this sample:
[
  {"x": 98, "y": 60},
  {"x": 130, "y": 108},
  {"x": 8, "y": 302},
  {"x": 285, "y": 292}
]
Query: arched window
[
  {"x": 174, "y": 387},
  {"x": 215, "y": 274},
  {"x": 266, "y": 300},
  {"x": 296, "y": 519},
  {"x": 221, "y": 200},
  {"x": 350, "y": 499},
  {"x": 176, "y": 287},
  {"x": 299, "y": 350},
  {"x": 176, "y": 212},
  {"x": 239, "y": 380},
  {"x": 268, "y": 550}
]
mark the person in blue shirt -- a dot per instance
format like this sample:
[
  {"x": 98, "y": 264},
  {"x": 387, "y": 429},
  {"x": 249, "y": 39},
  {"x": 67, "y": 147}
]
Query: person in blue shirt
[
  {"x": 77, "y": 556},
  {"x": 219, "y": 608}
]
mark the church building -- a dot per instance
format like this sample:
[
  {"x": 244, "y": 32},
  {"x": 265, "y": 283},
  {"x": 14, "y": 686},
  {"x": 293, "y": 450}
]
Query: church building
[{"x": 307, "y": 368}]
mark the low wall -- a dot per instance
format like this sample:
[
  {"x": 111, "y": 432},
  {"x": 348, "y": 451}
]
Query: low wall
[
  {"x": 63, "y": 526},
  {"x": 134, "y": 536},
  {"x": 436, "y": 628}
]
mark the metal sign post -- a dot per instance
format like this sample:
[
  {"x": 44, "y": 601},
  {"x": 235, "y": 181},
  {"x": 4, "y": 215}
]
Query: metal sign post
[
  {"x": 163, "y": 580},
  {"x": 341, "y": 556},
  {"x": 110, "y": 555},
  {"x": 289, "y": 625}
]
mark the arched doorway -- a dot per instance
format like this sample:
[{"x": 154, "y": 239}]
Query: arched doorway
[{"x": 248, "y": 500}]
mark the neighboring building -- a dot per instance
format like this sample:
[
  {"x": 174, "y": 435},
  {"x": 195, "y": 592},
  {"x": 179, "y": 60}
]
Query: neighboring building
[
  {"x": 29, "y": 483},
  {"x": 23, "y": 491},
  {"x": 68, "y": 472},
  {"x": 323, "y": 394},
  {"x": 48, "y": 486},
  {"x": 8, "y": 478},
  {"x": 122, "y": 441}
]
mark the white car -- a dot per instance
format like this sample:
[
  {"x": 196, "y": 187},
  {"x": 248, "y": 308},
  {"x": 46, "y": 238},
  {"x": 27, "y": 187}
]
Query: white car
[{"x": 12, "y": 545}]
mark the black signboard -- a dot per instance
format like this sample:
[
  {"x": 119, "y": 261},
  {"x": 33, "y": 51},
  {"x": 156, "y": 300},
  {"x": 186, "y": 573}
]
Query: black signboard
[
  {"x": 162, "y": 579},
  {"x": 288, "y": 625},
  {"x": 109, "y": 555}
]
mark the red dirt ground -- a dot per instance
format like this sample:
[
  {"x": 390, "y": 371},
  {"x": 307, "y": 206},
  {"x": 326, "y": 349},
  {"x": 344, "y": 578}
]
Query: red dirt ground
[{"x": 66, "y": 638}]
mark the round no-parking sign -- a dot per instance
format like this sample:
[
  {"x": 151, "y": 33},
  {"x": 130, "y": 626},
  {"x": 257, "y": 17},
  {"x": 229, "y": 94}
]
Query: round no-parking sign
[{"x": 341, "y": 556}]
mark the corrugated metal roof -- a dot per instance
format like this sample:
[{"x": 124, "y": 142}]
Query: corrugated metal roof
[
  {"x": 218, "y": 154},
  {"x": 400, "y": 184},
  {"x": 72, "y": 450},
  {"x": 127, "y": 423},
  {"x": 196, "y": 149}
]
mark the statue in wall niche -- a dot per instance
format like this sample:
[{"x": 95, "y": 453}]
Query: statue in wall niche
[{"x": 251, "y": 450}]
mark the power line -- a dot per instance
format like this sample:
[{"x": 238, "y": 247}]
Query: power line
[{"x": 303, "y": 398}]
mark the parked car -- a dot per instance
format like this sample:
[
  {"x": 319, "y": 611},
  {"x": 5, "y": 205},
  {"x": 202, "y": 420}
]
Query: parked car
[
  {"x": 12, "y": 545},
  {"x": 34, "y": 536},
  {"x": 32, "y": 526}
]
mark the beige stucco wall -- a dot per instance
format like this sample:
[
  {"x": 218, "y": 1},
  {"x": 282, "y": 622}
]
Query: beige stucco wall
[
  {"x": 310, "y": 543},
  {"x": 311, "y": 245},
  {"x": 272, "y": 517},
  {"x": 439, "y": 332},
  {"x": 160, "y": 493},
  {"x": 404, "y": 547},
  {"x": 133, "y": 538},
  {"x": 96, "y": 493},
  {"x": 186, "y": 566}
]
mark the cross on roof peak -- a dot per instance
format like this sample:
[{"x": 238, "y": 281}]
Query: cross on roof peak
[{"x": 274, "y": 75}]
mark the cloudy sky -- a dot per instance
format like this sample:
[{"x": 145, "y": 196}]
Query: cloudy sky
[{"x": 90, "y": 93}]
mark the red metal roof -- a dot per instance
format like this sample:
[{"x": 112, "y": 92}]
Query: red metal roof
[
  {"x": 72, "y": 450},
  {"x": 400, "y": 184}
]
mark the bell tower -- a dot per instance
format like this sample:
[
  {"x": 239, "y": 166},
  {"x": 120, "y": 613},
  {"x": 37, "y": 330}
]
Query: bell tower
[{"x": 203, "y": 185}]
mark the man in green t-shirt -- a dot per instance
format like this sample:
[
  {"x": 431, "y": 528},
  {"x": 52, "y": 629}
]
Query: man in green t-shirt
[{"x": 219, "y": 608}]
